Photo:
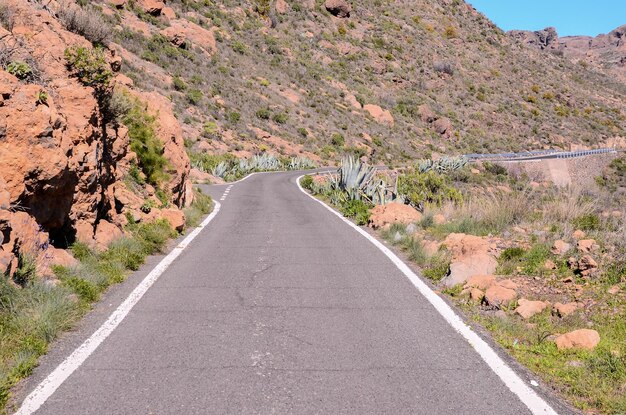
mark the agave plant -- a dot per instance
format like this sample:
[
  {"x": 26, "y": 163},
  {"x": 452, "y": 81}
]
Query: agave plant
[
  {"x": 354, "y": 176},
  {"x": 301, "y": 163},
  {"x": 221, "y": 169},
  {"x": 443, "y": 165}
]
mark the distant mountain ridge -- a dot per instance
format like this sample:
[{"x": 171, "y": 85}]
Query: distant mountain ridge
[{"x": 606, "y": 51}]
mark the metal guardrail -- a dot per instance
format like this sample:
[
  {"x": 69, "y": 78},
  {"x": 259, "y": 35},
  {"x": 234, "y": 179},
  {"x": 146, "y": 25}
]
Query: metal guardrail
[{"x": 539, "y": 154}]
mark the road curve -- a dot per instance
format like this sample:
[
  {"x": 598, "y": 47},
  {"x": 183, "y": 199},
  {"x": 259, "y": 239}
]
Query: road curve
[{"x": 279, "y": 307}]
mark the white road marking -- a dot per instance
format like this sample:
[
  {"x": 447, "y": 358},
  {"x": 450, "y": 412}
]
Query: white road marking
[
  {"x": 50, "y": 384},
  {"x": 530, "y": 398}
]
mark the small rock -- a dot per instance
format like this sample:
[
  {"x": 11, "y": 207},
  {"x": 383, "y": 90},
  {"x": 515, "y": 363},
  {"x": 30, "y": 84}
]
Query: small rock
[
  {"x": 549, "y": 265},
  {"x": 578, "y": 234},
  {"x": 586, "y": 265},
  {"x": 614, "y": 290},
  {"x": 411, "y": 228},
  {"x": 397, "y": 237},
  {"x": 508, "y": 284},
  {"x": 499, "y": 296},
  {"x": 480, "y": 281},
  {"x": 564, "y": 310},
  {"x": 582, "y": 338},
  {"x": 474, "y": 171},
  {"x": 527, "y": 308},
  {"x": 587, "y": 245},
  {"x": 560, "y": 247}
]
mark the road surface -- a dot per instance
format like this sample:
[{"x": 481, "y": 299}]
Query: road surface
[{"x": 279, "y": 307}]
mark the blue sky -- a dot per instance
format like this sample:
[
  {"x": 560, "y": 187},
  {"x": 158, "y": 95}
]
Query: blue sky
[{"x": 570, "y": 17}]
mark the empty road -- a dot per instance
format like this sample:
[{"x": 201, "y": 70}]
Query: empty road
[{"x": 280, "y": 307}]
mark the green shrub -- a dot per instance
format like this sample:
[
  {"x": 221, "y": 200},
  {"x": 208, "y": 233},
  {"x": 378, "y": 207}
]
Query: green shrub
[
  {"x": 303, "y": 132},
  {"x": 430, "y": 187},
  {"x": 306, "y": 182},
  {"x": 202, "y": 204},
  {"x": 280, "y": 118},
  {"x": 194, "y": 96},
  {"x": 239, "y": 47},
  {"x": 437, "y": 267},
  {"x": 178, "y": 83},
  {"x": 357, "y": 210},
  {"x": 337, "y": 140},
  {"x": 589, "y": 222},
  {"x": 145, "y": 143},
  {"x": 264, "y": 113},
  {"x": 21, "y": 70},
  {"x": 512, "y": 253},
  {"x": 89, "y": 65},
  {"x": 234, "y": 117}
]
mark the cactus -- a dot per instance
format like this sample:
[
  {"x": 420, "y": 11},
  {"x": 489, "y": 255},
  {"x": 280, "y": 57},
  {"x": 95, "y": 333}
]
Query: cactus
[
  {"x": 443, "y": 165},
  {"x": 301, "y": 163}
]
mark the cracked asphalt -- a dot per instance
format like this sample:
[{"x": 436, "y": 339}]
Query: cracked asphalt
[{"x": 279, "y": 307}]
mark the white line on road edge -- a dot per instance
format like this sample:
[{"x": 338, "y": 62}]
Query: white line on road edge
[
  {"x": 50, "y": 384},
  {"x": 529, "y": 397}
]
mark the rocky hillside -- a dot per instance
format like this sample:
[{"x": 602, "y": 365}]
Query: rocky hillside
[
  {"x": 389, "y": 80},
  {"x": 605, "y": 52},
  {"x": 74, "y": 165}
]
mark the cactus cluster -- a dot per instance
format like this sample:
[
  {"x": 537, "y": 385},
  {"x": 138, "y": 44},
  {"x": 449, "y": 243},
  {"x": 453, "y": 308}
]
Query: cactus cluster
[{"x": 443, "y": 165}]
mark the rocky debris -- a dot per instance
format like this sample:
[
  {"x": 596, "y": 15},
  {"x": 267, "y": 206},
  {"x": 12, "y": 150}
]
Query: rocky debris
[
  {"x": 380, "y": 115},
  {"x": 578, "y": 234},
  {"x": 338, "y": 8},
  {"x": 585, "y": 265},
  {"x": 587, "y": 245},
  {"x": 471, "y": 255},
  {"x": 582, "y": 339},
  {"x": 383, "y": 216},
  {"x": 560, "y": 247},
  {"x": 281, "y": 6},
  {"x": 564, "y": 310},
  {"x": 526, "y": 308},
  {"x": 499, "y": 296}
]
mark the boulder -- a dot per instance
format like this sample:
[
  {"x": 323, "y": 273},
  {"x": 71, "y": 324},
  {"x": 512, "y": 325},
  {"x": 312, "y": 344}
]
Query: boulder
[
  {"x": 526, "y": 308},
  {"x": 175, "y": 217},
  {"x": 476, "y": 294},
  {"x": 582, "y": 339},
  {"x": 338, "y": 8},
  {"x": 153, "y": 7},
  {"x": 470, "y": 256},
  {"x": 498, "y": 296},
  {"x": 381, "y": 116},
  {"x": 560, "y": 247},
  {"x": 426, "y": 114},
  {"x": 443, "y": 126},
  {"x": 383, "y": 216},
  {"x": 106, "y": 233}
]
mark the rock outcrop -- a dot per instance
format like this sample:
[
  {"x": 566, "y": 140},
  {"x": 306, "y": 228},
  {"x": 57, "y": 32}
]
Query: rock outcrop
[
  {"x": 384, "y": 216},
  {"x": 62, "y": 161}
]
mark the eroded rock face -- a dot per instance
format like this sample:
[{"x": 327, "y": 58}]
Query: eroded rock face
[{"x": 61, "y": 162}]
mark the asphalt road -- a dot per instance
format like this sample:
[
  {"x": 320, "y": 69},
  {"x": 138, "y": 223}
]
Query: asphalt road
[{"x": 280, "y": 307}]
